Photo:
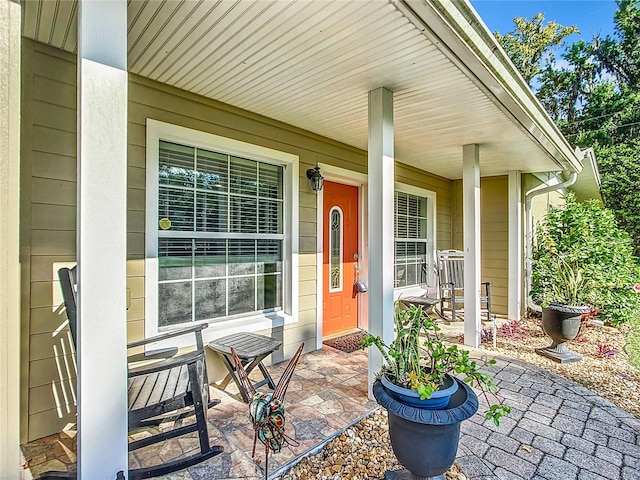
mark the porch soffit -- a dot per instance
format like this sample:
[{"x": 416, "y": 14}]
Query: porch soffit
[{"x": 311, "y": 65}]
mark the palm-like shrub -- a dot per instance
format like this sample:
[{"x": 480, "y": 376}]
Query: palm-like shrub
[{"x": 581, "y": 257}]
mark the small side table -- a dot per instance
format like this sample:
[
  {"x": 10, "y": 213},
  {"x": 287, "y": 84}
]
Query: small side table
[
  {"x": 425, "y": 303},
  {"x": 251, "y": 349}
]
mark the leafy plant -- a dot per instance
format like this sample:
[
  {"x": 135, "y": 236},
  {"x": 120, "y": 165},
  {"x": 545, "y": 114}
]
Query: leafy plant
[
  {"x": 581, "y": 257},
  {"x": 570, "y": 286},
  {"x": 418, "y": 359}
]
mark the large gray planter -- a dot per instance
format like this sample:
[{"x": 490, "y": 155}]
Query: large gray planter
[
  {"x": 562, "y": 324},
  {"x": 426, "y": 441}
]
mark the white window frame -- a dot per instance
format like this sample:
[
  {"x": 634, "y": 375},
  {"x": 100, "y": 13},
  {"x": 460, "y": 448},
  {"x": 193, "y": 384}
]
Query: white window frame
[
  {"x": 431, "y": 240},
  {"x": 252, "y": 322}
]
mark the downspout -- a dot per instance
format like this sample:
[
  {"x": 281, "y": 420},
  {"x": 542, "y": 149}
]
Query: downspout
[{"x": 528, "y": 244}]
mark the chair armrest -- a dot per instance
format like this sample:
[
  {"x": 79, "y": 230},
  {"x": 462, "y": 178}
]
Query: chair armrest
[
  {"x": 167, "y": 364},
  {"x": 155, "y": 354},
  {"x": 170, "y": 334}
]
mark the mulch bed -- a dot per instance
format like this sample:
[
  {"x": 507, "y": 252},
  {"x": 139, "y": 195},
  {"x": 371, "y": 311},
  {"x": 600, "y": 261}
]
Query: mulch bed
[{"x": 347, "y": 343}]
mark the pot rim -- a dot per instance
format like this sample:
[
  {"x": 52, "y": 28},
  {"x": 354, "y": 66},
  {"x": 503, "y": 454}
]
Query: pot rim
[
  {"x": 561, "y": 307},
  {"x": 448, "y": 390},
  {"x": 447, "y": 416}
]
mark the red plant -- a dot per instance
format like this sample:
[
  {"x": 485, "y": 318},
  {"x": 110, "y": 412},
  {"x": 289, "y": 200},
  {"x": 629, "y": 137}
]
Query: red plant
[
  {"x": 605, "y": 350},
  {"x": 486, "y": 335},
  {"x": 512, "y": 329}
]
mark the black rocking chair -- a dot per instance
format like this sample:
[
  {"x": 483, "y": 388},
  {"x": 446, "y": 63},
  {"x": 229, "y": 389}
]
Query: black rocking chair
[{"x": 172, "y": 387}]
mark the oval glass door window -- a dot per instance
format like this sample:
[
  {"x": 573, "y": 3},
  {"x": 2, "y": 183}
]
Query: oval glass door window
[{"x": 335, "y": 249}]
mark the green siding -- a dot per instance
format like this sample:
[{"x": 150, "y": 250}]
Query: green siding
[{"x": 49, "y": 198}]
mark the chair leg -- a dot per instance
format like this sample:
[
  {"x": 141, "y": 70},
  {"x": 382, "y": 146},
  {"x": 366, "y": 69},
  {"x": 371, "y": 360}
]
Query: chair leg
[
  {"x": 198, "y": 405},
  {"x": 453, "y": 308}
]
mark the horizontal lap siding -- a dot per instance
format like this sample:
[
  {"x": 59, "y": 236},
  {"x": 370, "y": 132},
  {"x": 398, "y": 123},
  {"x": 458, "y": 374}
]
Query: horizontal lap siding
[
  {"x": 494, "y": 236},
  {"x": 49, "y": 151},
  {"x": 150, "y": 99},
  {"x": 494, "y": 202},
  {"x": 48, "y": 216}
]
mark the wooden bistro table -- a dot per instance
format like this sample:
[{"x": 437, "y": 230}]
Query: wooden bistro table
[{"x": 251, "y": 349}]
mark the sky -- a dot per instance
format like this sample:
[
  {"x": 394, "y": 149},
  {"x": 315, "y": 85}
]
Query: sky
[{"x": 590, "y": 16}]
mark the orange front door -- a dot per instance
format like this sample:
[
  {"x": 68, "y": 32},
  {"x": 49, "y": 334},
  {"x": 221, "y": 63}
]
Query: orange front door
[{"x": 340, "y": 258}]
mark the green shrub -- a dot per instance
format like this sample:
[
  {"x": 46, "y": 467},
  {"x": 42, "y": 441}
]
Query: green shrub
[{"x": 580, "y": 256}]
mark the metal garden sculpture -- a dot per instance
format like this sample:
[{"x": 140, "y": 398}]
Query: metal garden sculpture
[{"x": 266, "y": 410}]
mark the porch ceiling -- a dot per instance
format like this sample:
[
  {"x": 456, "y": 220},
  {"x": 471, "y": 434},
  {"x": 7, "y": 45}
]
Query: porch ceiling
[{"x": 311, "y": 64}]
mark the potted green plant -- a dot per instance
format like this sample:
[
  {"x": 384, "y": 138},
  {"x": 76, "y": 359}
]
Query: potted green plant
[
  {"x": 564, "y": 292},
  {"x": 424, "y": 427}
]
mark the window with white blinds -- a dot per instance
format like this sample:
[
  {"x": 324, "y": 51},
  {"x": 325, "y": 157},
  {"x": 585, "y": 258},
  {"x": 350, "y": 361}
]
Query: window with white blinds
[
  {"x": 220, "y": 235},
  {"x": 411, "y": 239}
]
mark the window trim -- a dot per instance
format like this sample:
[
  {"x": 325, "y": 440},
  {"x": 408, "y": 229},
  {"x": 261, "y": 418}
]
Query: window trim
[
  {"x": 431, "y": 237},
  {"x": 157, "y": 131}
]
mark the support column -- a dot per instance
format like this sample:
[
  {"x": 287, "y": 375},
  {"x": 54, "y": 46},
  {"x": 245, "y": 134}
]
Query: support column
[
  {"x": 472, "y": 250},
  {"x": 515, "y": 245},
  {"x": 102, "y": 238},
  {"x": 381, "y": 221},
  {"x": 10, "y": 36}
]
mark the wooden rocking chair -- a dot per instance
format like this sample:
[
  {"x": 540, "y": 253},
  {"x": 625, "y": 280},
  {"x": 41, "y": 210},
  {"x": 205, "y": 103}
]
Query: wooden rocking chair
[
  {"x": 174, "y": 386},
  {"x": 451, "y": 284}
]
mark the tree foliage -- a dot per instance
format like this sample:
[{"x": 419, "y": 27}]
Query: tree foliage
[
  {"x": 593, "y": 94},
  {"x": 620, "y": 55},
  {"x": 527, "y": 44}
]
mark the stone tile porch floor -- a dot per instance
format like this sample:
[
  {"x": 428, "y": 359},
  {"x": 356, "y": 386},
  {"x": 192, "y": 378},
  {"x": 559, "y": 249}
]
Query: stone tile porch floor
[{"x": 557, "y": 430}]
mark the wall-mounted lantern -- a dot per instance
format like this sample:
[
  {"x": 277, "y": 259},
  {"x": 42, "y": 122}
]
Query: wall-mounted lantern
[{"x": 315, "y": 179}]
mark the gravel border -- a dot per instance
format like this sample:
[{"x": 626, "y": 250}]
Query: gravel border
[{"x": 360, "y": 452}]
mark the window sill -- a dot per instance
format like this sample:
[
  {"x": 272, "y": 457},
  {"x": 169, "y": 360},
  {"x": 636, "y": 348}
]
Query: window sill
[{"x": 252, "y": 324}]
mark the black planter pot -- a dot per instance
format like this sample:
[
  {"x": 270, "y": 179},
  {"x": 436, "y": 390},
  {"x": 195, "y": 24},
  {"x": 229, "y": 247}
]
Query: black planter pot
[
  {"x": 426, "y": 441},
  {"x": 561, "y": 323}
]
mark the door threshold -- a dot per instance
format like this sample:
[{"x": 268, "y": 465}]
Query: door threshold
[{"x": 340, "y": 334}]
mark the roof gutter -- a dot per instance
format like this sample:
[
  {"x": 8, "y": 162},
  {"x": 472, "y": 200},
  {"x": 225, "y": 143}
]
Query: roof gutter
[
  {"x": 457, "y": 30},
  {"x": 528, "y": 243}
]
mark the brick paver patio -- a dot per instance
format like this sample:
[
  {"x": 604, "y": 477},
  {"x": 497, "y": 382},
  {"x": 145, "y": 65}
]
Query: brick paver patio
[{"x": 557, "y": 430}]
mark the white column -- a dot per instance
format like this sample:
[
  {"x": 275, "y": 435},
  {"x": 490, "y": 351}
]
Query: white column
[
  {"x": 102, "y": 238},
  {"x": 10, "y": 13},
  {"x": 381, "y": 211},
  {"x": 472, "y": 250},
  {"x": 515, "y": 245}
]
